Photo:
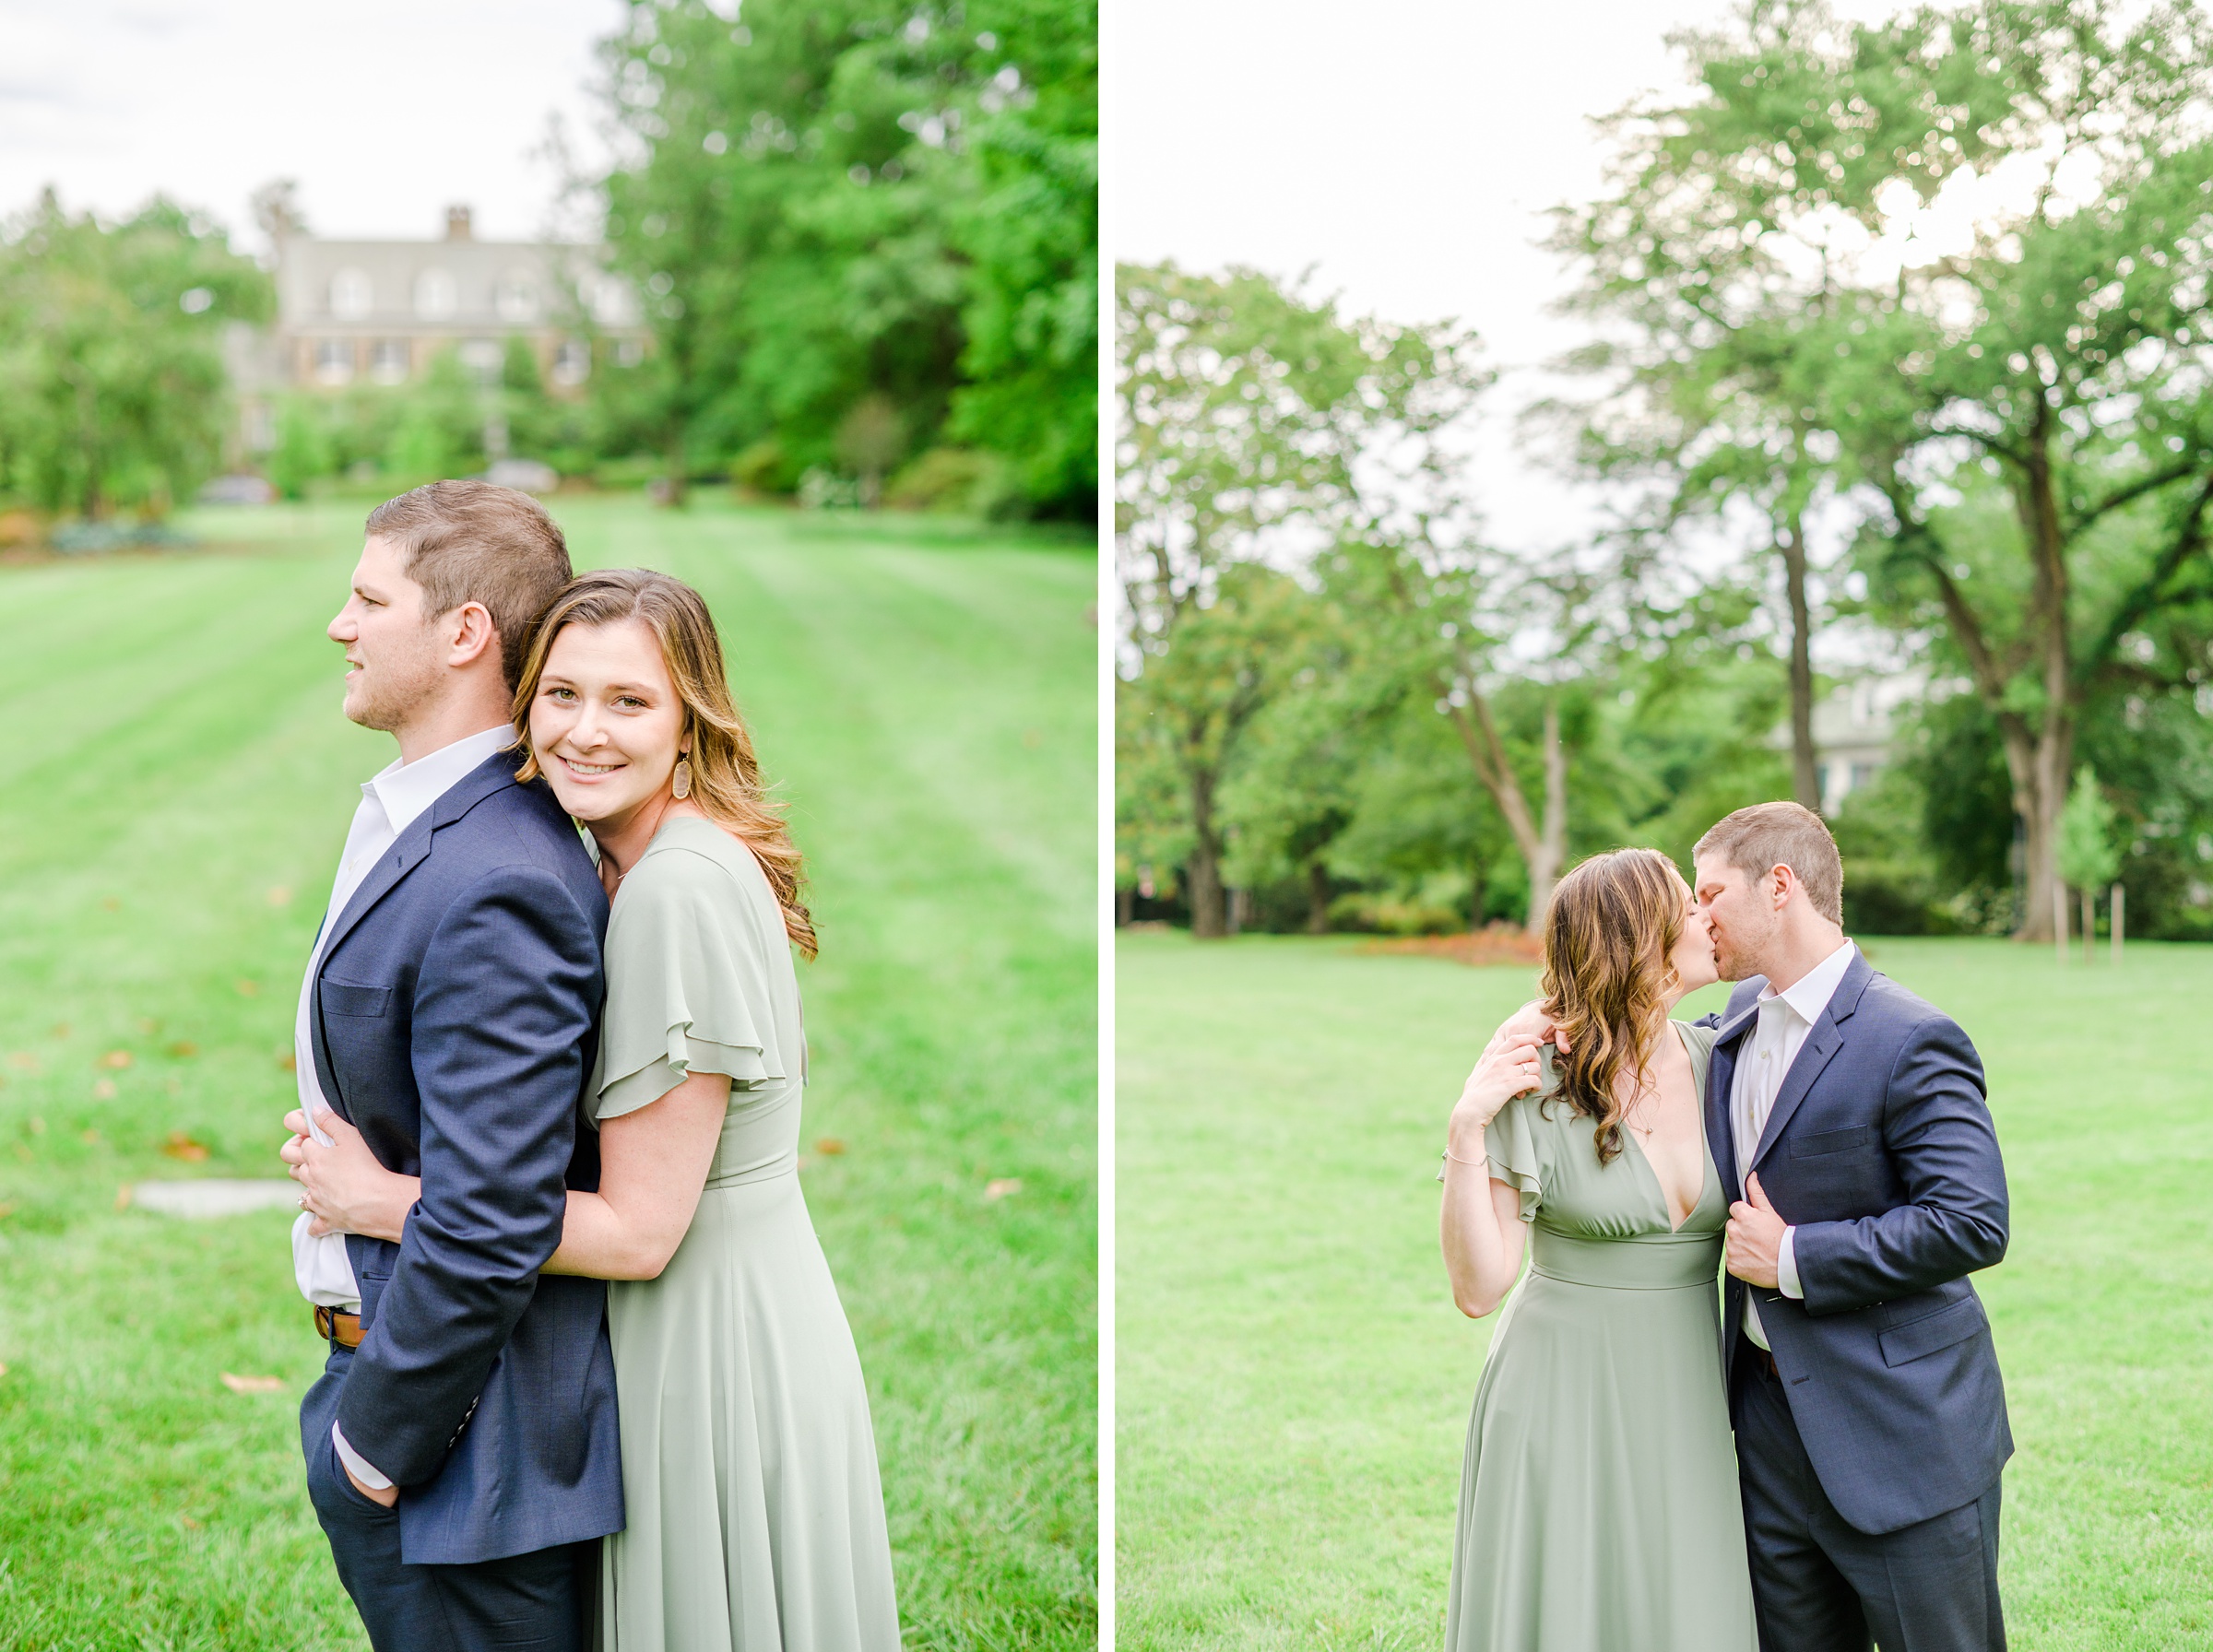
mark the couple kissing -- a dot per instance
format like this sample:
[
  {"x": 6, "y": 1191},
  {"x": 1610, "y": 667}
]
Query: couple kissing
[
  {"x": 1807, "y": 1460},
  {"x": 589, "y": 1381}
]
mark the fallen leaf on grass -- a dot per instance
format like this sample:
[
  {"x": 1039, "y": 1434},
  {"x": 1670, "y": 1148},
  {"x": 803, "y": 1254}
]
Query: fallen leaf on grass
[
  {"x": 181, "y": 1145},
  {"x": 289, "y": 1062},
  {"x": 123, "y": 1197},
  {"x": 105, "y": 1090},
  {"x": 91, "y": 1137},
  {"x": 280, "y": 896},
  {"x": 25, "y": 1060},
  {"x": 38, "y": 1127},
  {"x": 60, "y": 1029},
  {"x": 183, "y": 1047},
  {"x": 247, "y": 989},
  {"x": 118, "y": 1059},
  {"x": 830, "y": 1146},
  {"x": 191, "y": 1524},
  {"x": 2, "y": 1368},
  {"x": 110, "y": 903},
  {"x": 1001, "y": 1188},
  {"x": 7, "y": 1208},
  {"x": 252, "y": 1384}
]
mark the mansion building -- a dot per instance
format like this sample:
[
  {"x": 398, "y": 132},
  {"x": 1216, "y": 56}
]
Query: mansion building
[{"x": 379, "y": 312}]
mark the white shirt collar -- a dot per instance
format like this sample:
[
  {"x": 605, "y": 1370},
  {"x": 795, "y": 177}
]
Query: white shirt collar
[
  {"x": 1810, "y": 994},
  {"x": 406, "y": 789}
]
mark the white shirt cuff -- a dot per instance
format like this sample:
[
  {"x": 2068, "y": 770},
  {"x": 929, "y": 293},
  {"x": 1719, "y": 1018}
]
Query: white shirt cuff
[
  {"x": 356, "y": 1463},
  {"x": 1786, "y": 1267}
]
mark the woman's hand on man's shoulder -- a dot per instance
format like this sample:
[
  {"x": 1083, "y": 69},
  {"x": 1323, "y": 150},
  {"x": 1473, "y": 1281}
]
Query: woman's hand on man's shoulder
[{"x": 1528, "y": 1024}]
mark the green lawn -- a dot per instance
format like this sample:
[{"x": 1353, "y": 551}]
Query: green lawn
[
  {"x": 179, "y": 785},
  {"x": 1294, "y": 1381}
]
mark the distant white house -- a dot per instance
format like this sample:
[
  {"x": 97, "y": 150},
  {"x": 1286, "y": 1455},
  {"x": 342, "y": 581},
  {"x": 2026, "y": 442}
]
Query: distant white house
[
  {"x": 1855, "y": 732},
  {"x": 378, "y": 311}
]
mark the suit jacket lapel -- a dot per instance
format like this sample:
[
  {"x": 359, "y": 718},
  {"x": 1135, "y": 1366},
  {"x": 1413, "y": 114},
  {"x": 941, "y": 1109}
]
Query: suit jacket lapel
[
  {"x": 1721, "y": 1075},
  {"x": 412, "y": 846},
  {"x": 1821, "y": 1043}
]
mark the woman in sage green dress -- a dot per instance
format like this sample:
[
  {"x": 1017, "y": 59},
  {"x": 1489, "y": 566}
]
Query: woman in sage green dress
[
  {"x": 755, "y": 1515},
  {"x": 1599, "y": 1509}
]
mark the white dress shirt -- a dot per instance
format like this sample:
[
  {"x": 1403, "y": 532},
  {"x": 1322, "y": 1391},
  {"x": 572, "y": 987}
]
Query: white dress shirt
[
  {"x": 391, "y": 802},
  {"x": 1763, "y": 1062}
]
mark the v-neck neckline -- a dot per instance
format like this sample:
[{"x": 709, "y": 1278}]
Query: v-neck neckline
[{"x": 1709, "y": 1175}]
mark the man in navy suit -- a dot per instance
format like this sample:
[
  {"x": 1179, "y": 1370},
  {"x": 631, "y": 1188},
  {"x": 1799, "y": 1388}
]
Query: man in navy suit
[
  {"x": 1849, "y": 1121},
  {"x": 461, "y": 1445}
]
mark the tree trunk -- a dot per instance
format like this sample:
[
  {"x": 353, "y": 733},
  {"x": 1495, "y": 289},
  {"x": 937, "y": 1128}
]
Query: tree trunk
[
  {"x": 1317, "y": 897},
  {"x": 1543, "y": 849},
  {"x": 1202, "y": 871},
  {"x": 673, "y": 483},
  {"x": 2041, "y": 760},
  {"x": 1805, "y": 775},
  {"x": 1552, "y": 846},
  {"x": 2037, "y": 765}
]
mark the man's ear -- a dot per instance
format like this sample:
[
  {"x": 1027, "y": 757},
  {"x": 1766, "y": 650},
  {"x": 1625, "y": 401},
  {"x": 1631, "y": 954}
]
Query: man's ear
[
  {"x": 470, "y": 631},
  {"x": 1785, "y": 880}
]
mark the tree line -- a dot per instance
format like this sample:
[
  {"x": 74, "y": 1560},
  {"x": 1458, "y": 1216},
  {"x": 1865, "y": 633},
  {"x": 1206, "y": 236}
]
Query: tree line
[
  {"x": 864, "y": 237},
  {"x": 1900, "y": 327}
]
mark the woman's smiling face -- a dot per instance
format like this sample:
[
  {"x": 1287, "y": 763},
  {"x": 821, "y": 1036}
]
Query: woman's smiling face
[{"x": 607, "y": 719}]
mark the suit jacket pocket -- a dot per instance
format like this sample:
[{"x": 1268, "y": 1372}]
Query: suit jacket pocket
[
  {"x": 345, "y": 997},
  {"x": 1919, "y": 1337},
  {"x": 1830, "y": 1141}
]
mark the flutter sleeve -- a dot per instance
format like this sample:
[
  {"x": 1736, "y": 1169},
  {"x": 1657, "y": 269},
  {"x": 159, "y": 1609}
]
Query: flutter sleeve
[
  {"x": 1511, "y": 1142},
  {"x": 688, "y": 987},
  {"x": 1514, "y": 1141}
]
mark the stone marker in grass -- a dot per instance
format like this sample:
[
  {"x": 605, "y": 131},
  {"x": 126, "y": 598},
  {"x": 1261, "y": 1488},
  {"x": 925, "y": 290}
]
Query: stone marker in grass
[{"x": 214, "y": 1196}]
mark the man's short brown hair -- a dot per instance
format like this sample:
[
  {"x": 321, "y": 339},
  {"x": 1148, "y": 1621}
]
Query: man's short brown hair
[
  {"x": 1757, "y": 839},
  {"x": 464, "y": 541}
]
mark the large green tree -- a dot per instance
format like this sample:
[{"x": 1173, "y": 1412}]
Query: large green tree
[
  {"x": 1990, "y": 229},
  {"x": 1247, "y": 409},
  {"x": 112, "y": 388},
  {"x": 837, "y": 207}
]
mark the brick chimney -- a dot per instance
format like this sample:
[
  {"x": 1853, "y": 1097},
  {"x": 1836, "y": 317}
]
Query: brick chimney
[{"x": 456, "y": 223}]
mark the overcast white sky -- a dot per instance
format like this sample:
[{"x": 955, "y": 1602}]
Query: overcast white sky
[
  {"x": 384, "y": 112},
  {"x": 1405, "y": 148}
]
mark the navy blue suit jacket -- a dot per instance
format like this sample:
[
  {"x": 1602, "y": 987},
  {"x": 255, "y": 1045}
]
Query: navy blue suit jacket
[
  {"x": 454, "y": 1020},
  {"x": 1881, "y": 1151}
]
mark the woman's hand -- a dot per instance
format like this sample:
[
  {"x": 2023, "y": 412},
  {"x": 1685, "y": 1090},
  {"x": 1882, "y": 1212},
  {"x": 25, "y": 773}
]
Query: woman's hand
[
  {"x": 1508, "y": 1069},
  {"x": 1528, "y": 1024},
  {"x": 344, "y": 1187}
]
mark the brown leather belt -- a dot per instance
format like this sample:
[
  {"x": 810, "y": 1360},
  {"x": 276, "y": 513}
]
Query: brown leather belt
[
  {"x": 337, "y": 1326},
  {"x": 1761, "y": 1358}
]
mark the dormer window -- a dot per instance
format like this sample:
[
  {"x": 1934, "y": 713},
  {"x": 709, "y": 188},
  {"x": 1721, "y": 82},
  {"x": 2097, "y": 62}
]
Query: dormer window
[
  {"x": 516, "y": 300},
  {"x": 351, "y": 297},
  {"x": 435, "y": 295}
]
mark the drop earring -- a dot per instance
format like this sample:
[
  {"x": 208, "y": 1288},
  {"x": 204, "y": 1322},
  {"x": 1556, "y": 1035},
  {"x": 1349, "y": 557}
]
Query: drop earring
[{"x": 679, "y": 785}]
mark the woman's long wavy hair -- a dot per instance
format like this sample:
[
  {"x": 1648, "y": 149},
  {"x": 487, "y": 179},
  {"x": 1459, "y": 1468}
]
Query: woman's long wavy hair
[
  {"x": 1609, "y": 944},
  {"x": 726, "y": 779}
]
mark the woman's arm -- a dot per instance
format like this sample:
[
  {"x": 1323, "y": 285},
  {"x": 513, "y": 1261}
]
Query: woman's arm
[
  {"x": 1481, "y": 1227},
  {"x": 652, "y": 1167}
]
